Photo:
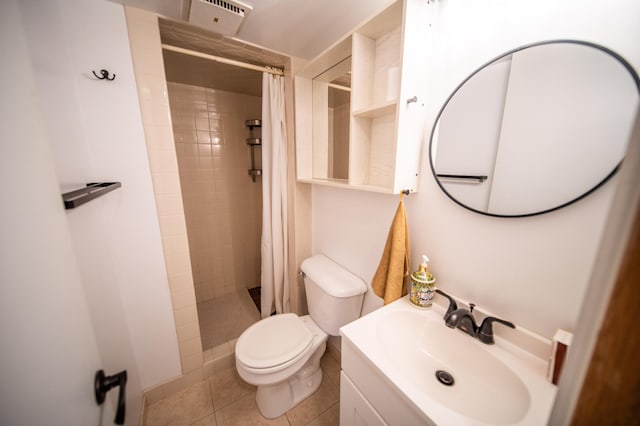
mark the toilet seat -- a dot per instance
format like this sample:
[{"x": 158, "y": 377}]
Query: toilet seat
[{"x": 273, "y": 344}]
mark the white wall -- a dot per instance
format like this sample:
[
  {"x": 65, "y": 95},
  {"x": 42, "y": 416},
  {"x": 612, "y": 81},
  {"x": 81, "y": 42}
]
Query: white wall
[
  {"x": 96, "y": 134},
  {"x": 532, "y": 271}
]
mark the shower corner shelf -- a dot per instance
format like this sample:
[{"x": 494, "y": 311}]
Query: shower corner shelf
[
  {"x": 255, "y": 122},
  {"x": 253, "y": 142},
  {"x": 93, "y": 190}
]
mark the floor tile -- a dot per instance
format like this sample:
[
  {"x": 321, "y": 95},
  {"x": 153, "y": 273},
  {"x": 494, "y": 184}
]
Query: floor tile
[
  {"x": 226, "y": 400},
  {"x": 227, "y": 387},
  {"x": 331, "y": 417},
  {"x": 208, "y": 421},
  {"x": 245, "y": 412},
  {"x": 316, "y": 404},
  {"x": 181, "y": 409},
  {"x": 330, "y": 368}
]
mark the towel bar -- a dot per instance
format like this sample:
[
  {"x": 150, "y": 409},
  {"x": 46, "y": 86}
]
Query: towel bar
[
  {"x": 474, "y": 179},
  {"x": 93, "y": 190}
]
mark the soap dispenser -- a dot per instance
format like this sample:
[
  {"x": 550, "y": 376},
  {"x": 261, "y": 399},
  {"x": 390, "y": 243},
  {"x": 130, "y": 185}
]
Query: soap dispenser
[{"x": 422, "y": 286}]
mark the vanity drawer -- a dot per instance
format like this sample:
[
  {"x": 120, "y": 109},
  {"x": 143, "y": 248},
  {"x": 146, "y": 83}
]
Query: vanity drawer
[{"x": 355, "y": 410}]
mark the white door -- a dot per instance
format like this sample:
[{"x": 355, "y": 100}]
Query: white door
[{"x": 48, "y": 351}]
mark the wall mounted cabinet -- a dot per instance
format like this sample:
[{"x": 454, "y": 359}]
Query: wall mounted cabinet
[{"x": 386, "y": 84}]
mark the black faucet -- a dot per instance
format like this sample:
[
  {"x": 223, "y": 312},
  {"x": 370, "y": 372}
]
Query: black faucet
[
  {"x": 464, "y": 320},
  {"x": 485, "y": 331}
]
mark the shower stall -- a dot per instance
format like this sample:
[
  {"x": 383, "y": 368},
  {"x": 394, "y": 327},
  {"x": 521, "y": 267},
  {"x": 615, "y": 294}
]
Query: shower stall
[{"x": 216, "y": 113}]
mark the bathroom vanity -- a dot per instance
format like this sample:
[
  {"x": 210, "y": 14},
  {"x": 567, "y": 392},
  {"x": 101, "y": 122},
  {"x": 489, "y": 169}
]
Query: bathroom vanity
[{"x": 390, "y": 360}]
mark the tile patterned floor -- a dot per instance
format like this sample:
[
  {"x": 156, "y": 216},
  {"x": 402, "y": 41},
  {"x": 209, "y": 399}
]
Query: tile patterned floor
[
  {"x": 226, "y": 400},
  {"x": 225, "y": 318}
]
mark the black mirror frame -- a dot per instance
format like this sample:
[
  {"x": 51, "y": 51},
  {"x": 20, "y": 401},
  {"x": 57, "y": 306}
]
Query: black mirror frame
[{"x": 627, "y": 66}]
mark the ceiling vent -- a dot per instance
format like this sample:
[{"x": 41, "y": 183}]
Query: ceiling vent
[{"x": 222, "y": 16}]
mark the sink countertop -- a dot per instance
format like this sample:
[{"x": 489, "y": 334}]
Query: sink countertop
[{"x": 365, "y": 336}]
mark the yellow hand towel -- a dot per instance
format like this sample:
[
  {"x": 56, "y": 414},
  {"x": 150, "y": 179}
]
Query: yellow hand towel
[{"x": 388, "y": 281}]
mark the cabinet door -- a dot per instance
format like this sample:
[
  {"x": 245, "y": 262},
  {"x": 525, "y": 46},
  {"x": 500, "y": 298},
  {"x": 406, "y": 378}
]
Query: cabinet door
[
  {"x": 49, "y": 352},
  {"x": 412, "y": 132},
  {"x": 355, "y": 410}
]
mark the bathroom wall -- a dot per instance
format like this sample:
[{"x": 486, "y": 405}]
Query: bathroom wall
[
  {"x": 95, "y": 132},
  {"x": 532, "y": 270},
  {"x": 223, "y": 207}
]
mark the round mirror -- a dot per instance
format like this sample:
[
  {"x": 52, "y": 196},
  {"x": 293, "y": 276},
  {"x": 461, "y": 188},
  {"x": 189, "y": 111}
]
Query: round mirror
[{"x": 536, "y": 129}]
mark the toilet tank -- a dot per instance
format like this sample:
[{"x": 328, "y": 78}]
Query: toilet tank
[{"x": 334, "y": 295}]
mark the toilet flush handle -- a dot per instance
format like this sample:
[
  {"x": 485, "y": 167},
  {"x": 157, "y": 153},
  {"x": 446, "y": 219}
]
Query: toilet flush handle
[{"x": 302, "y": 274}]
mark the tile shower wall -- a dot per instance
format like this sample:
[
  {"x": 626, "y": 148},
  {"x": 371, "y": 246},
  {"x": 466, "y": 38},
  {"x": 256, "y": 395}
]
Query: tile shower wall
[{"x": 223, "y": 207}]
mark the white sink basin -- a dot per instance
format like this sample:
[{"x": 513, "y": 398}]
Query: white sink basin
[
  {"x": 418, "y": 346},
  {"x": 498, "y": 384}
]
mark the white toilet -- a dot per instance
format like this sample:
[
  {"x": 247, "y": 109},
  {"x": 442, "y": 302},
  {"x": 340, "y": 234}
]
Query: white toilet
[{"x": 281, "y": 354}]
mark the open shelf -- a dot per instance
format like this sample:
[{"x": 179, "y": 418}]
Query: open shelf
[
  {"x": 343, "y": 183},
  {"x": 387, "y": 63},
  {"x": 378, "y": 110}
]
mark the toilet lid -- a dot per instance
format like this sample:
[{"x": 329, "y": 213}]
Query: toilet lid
[{"x": 273, "y": 341}]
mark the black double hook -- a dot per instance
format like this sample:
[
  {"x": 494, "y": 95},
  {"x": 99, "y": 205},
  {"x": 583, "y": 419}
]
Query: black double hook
[{"x": 104, "y": 75}]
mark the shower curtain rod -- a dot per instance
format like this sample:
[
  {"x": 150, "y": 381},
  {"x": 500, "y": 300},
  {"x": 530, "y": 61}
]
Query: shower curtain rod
[{"x": 271, "y": 70}]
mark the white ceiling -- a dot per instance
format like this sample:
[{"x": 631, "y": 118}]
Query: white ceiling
[{"x": 301, "y": 28}]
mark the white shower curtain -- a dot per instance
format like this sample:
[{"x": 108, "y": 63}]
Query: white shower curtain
[{"x": 274, "y": 245}]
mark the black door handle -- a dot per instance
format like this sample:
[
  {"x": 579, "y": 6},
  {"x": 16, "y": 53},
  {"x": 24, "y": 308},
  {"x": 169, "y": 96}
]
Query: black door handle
[{"x": 103, "y": 384}]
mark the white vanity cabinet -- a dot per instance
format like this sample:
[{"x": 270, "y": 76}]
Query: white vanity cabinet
[
  {"x": 367, "y": 397},
  {"x": 387, "y": 104},
  {"x": 354, "y": 407},
  {"x": 390, "y": 362}
]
